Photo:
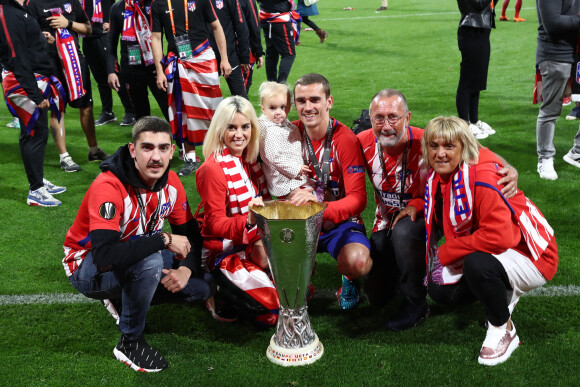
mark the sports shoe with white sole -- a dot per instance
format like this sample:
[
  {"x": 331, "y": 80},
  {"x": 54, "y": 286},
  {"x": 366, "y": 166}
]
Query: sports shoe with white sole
[
  {"x": 139, "y": 355},
  {"x": 128, "y": 119},
  {"x": 188, "y": 168},
  {"x": 478, "y": 133},
  {"x": 572, "y": 159},
  {"x": 498, "y": 345},
  {"x": 574, "y": 114},
  {"x": 546, "y": 169},
  {"x": 99, "y": 155},
  {"x": 41, "y": 198},
  {"x": 15, "y": 123},
  {"x": 69, "y": 165},
  {"x": 485, "y": 128},
  {"x": 52, "y": 188},
  {"x": 104, "y": 118}
]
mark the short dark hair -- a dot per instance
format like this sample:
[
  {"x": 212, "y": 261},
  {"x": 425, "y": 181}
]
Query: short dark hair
[
  {"x": 311, "y": 79},
  {"x": 150, "y": 124}
]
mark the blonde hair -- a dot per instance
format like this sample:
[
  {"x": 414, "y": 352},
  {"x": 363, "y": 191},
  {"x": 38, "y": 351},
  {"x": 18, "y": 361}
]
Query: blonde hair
[
  {"x": 270, "y": 89},
  {"x": 215, "y": 138},
  {"x": 451, "y": 129}
]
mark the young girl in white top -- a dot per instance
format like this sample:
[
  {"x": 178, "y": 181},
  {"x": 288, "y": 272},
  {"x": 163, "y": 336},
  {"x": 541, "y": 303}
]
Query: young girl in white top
[{"x": 280, "y": 142}]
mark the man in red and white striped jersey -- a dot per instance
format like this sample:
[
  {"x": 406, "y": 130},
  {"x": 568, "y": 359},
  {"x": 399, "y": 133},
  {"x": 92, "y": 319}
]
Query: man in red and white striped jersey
[{"x": 116, "y": 250}]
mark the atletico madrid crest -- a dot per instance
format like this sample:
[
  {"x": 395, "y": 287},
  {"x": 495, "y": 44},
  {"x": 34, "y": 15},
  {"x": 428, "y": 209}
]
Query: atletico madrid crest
[
  {"x": 191, "y": 6},
  {"x": 219, "y": 4},
  {"x": 67, "y": 7}
]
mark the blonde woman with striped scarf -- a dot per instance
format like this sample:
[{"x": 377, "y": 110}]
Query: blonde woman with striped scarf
[{"x": 230, "y": 182}]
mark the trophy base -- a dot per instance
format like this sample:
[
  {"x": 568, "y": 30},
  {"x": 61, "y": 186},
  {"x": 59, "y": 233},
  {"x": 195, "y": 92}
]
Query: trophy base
[{"x": 295, "y": 356}]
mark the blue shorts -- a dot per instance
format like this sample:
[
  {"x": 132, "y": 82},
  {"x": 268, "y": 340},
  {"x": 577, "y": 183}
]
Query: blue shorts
[{"x": 333, "y": 241}]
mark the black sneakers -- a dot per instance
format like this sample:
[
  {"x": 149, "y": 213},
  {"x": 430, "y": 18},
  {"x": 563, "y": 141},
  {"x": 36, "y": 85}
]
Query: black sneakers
[
  {"x": 188, "y": 168},
  {"x": 139, "y": 355},
  {"x": 105, "y": 117},
  {"x": 410, "y": 315},
  {"x": 128, "y": 119},
  {"x": 99, "y": 155}
]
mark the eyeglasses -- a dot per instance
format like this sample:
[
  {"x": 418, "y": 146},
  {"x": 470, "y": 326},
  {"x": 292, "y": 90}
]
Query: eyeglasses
[{"x": 392, "y": 120}]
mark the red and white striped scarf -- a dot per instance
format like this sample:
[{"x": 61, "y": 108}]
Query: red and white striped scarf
[
  {"x": 136, "y": 29},
  {"x": 21, "y": 106},
  {"x": 241, "y": 187},
  {"x": 97, "y": 16},
  {"x": 69, "y": 56},
  {"x": 460, "y": 212},
  {"x": 193, "y": 92}
]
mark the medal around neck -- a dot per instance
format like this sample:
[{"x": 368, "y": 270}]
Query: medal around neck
[{"x": 290, "y": 236}]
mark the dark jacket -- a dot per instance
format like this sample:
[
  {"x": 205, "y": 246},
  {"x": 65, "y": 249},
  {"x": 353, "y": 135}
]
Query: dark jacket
[
  {"x": 274, "y": 6},
  {"x": 558, "y": 30},
  {"x": 23, "y": 48},
  {"x": 235, "y": 30},
  {"x": 108, "y": 250},
  {"x": 476, "y": 14},
  {"x": 250, "y": 11}
]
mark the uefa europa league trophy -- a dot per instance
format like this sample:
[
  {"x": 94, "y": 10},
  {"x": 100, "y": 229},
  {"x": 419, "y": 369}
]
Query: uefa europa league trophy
[{"x": 290, "y": 235}]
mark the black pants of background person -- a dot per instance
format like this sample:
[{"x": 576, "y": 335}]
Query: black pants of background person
[
  {"x": 32, "y": 150},
  {"x": 137, "y": 83},
  {"x": 484, "y": 280},
  {"x": 475, "y": 51},
  {"x": 236, "y": 83},
  {"x": 279, "y": 47},
  {"x": 306, "y": 20},
  {"x": 398, "y": 263},
  {"x": 94, "y": 49}
]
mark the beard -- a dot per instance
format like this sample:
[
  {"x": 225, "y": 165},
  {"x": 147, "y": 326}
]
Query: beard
[{"x": 390, "y": 141}]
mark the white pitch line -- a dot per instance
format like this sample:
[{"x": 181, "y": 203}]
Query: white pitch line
[
  {"x": 76, "y": 298},
  {"x": 382, "y": 15}
]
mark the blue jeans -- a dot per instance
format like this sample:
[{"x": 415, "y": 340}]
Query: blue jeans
[{"x": 136, "y": 285}]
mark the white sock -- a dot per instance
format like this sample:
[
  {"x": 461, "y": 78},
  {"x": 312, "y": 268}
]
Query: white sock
[
  {"x": 191, "y": 156},
  {"x": 63, "y": 156}
]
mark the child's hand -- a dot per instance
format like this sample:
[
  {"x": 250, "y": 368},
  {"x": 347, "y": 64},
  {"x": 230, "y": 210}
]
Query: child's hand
[{"x": 304, "y": 171}]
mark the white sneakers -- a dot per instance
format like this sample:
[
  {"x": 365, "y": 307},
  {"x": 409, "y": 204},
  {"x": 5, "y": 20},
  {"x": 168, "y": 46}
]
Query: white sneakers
[
  {"x": 42, "y": 198},
  {"x": 478, "y": 133},
  {"x": 546, "y": 169},
  {"x": 481, "y": 130},
  {"x": 499, "y": 344},
  {"x": 572, "y": 159},
  {"x": 485, "y": 128}
]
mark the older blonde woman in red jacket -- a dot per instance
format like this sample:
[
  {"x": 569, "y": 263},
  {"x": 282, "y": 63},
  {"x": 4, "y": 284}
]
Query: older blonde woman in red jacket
[{"x": 495, "y": 249}]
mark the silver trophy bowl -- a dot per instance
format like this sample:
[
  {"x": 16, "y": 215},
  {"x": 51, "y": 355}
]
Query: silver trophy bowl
[{"x": 290, "y": 236}]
